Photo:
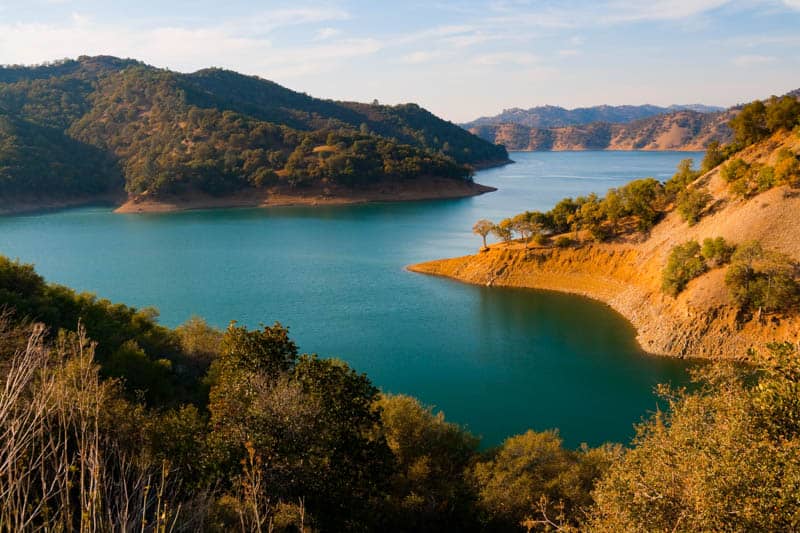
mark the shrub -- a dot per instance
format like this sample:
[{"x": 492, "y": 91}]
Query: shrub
[
  {"x": 681, "y": 179},
  {"x": 717, "y": 251},
  {"x": 762, "y": 281},
  {"x": 541, "y": 239},
  {"x": 683, "y": 265},
  {"x": 723, "y": 457},
  {"x": 691, "y": 203},
  {"x": 564, "y": 242},
  {"x": 746, "y": 179},
  {"x": 714, "y": 157},
  {"x": 787, "y": 168}
]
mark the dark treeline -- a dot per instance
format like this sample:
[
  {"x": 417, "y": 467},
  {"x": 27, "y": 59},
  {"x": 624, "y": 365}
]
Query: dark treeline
[
  {"x": 111, "y": 421},
  {"x": 214, "y": 131}
]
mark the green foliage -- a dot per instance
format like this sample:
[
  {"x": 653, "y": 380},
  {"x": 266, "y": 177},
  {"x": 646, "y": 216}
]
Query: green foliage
[
  {"x": 783, "y": 113},
  {"x": 680, "y": 181},
  {"x": 429, "y": 487},
  {"x": 761, "y": 280},
  {"x": 99, "y": 123},
  {"x": 564, "y": 242},
  {"x": 683, "y": 265},
  {"x": 717, "y": 251},
  {"x": 531, "y": 476},
  {"x": 715, "y": 156},
  {"x": 757, "y": 119},
  {"x": 724, "y": 457},
  {"x": 747, "y": 180},
  {"x": 750, "y": 124},
  {"x": 504, "y": 231},
  {"x": 127, "y": 338},
  {"x": 787, "y": 168},
  {"x": 691, "y": 203}
]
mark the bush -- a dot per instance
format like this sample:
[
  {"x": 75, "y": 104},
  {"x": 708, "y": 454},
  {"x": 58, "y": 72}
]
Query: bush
[
  {"x": 717, "y": 251},
  {"x": 714, "y": 157},
  {"x": 564, "y": 242},
  {"x": 787, "y": 168},
  {"x": 531, "y": 476},
  {"x": 762, "y": 281},
  {"x": 683, "y": 265},
  {"x": 723, "y": 457},
  {"x": 681, "y": 179},
  {"x": 746, "y": 179},
  {"x": 691, "y": 203},
  {"x": 541, "y": 239}
]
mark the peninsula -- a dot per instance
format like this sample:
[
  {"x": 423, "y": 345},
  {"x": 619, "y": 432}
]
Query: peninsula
[{"x": 104, "y": 129}]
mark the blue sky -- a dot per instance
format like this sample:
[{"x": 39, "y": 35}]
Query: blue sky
[{"x": 459, "y": 59}]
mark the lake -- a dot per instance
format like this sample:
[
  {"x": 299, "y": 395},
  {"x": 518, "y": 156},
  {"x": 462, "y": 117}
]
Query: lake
[{"x": 498, "y": 361}]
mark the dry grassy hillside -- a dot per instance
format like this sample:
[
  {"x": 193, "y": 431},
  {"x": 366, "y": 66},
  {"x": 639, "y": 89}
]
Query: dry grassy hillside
[
  {"x": 702, "y": 320},
  {"x": 680, "y": 130}
]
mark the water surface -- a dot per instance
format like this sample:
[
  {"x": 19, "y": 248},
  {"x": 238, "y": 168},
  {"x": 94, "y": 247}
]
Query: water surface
[{"x": 497, "y": 360}]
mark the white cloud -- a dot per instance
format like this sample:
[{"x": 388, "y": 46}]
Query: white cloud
[
  {"x": 327, "y": 33},
  {"x": 505, "y": 58},
  {"x": 419, "y": 57},
  {"x": 634, "y": 10},
  {"x": 794, "y": 4},
  {"x": 750, "y": 60},
  {"x": 241, "y": 44},
  {"x": 569, "y": 52}
]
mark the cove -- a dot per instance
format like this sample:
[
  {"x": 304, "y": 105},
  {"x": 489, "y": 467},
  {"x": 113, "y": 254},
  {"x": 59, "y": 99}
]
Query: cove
[{"x": 497, "y": 360}]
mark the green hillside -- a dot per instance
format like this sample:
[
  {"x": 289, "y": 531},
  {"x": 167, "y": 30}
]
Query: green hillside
[{"x": 75, "y": 127}]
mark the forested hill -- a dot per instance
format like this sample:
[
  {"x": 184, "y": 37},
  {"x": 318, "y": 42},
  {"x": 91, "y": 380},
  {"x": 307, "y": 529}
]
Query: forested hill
[{"x": 96, "y": 125}]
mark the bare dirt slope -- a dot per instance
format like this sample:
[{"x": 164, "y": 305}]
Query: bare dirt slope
[{"x": 702, "y": 320}]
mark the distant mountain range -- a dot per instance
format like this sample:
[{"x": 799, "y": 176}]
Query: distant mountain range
[
  {"x": 104, "y": 125},
  {"x": 554, "y": 116},
  {"x": 646, "y": 127}
]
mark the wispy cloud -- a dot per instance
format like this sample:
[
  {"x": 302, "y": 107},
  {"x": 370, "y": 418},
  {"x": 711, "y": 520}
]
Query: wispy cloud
[
  {"x": 419, "y": 57},
  {"x": 749, "y": 60},
  {"x": 505, "y": 58},
  {"x": 327, "y": 33}
]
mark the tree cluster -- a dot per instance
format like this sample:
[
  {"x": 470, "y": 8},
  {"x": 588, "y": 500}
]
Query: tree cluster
[
  {"x": 95, "y": 124},
  {"x": 689, "y": 260},
  {"x": 280, "y": 441}
]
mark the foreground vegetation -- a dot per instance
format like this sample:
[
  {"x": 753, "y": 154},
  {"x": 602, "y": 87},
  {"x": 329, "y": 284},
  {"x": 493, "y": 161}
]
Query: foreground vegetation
[
  {"x": 111, "y": 421},
  {"x": 100, "y": 124}
]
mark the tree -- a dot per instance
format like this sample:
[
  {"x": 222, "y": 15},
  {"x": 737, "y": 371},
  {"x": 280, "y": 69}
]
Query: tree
[
  {"x": 724, "y": 456},
  {"x": 683, "y": 265},
  {"x": 681, "y": 179},
  {"x": 714, "y": 157},
  {"x": 750, "y": 124},
  {"x": 759, "y": 280},
  {"x": 483, "y": 227},
  {"x": 691, "y": 203},
  {"x": 504, "y": 230},
  {"x": 429, "y": 488},
  {"x": 783, "y": 113},
  {"x": 717, "y": 251},
  {"x": 526, "y": 226},
  {"x": 532, "y": 478}
]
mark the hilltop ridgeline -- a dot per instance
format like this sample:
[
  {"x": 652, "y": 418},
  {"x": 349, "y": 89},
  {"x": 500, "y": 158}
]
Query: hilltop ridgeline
[
  {"x": 549, "y": 116},
  {"x": 100, "y": 126},
  {"x": 704, "y": 265},
  {"x": 646, "y": 127}
]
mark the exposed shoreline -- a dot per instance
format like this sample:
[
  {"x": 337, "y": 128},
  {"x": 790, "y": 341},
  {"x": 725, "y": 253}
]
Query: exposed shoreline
[
  {"x": 31, "y": 206},
  {"x": 699, "y": 325},
  {"x": 409, "y": 191},
  {"x": 429, "y": 189}
]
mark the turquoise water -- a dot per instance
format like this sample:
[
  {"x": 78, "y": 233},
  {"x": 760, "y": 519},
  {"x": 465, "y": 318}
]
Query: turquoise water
[{"x": 499, "y": 361}]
